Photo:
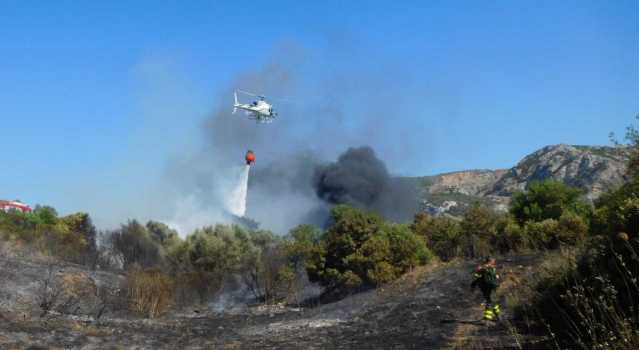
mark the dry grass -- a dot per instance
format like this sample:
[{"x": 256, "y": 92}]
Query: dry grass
[
  {"x": 150, "y": 292},
  {"x": 410, "y": 281},
  {"x": 91, "y": 330}
]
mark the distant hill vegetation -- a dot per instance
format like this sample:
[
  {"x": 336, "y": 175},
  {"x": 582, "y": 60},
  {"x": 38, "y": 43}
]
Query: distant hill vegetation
[{"x": 593, "y": 169}]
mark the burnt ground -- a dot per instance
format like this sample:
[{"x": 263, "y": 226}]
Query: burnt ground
[{"x": 429, "y": 308}]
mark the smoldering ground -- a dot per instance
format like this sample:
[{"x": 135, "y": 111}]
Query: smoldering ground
[{"x": 293, "y": 181}]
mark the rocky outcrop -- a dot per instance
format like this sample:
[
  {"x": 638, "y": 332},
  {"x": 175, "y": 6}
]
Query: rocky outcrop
[
  {"x": 593, "y": 169},
  {"x": 469, "y": 182}
]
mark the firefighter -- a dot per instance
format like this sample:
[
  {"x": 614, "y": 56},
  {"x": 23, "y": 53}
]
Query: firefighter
[{"x": 487, "y": 279}]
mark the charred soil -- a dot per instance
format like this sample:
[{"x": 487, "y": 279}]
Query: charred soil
[{"x": 429, "y": 308}]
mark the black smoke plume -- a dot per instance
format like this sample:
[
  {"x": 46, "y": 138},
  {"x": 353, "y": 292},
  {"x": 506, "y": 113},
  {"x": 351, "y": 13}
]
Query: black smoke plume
[{"x": 361, "y": 179}]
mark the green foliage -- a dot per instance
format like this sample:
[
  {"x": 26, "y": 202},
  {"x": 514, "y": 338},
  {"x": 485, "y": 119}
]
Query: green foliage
[
  {"x": 442, "y": 234},
  {"x": 162, "y": 234},
  {"x": 71, "y": 238},
  {"x": 547, "y": 199},
  {"x": 590, "y": 300},
  {"x": 135, "y": 245},
  {"x": 478, "y": 227},
  {"x": 301, "y": 244},
  {"x": 572, "y": 229},
  {"x": 360, "y": 250},
  {"x": 81, "y": 238},
  {"x": 509, "y": 237},
  {"x": 618, "y": 211},
  {"x": 632, "y": 139},
  {"x": 205, "y": 258},
  {"x": 209, "y": 256}
]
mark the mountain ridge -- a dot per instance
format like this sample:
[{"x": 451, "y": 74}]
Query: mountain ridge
[{"x": 593, "y": 169}]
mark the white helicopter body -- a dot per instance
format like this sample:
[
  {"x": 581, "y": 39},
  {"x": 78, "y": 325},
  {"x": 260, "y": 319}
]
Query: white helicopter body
[{"x": 259, "y": 110}]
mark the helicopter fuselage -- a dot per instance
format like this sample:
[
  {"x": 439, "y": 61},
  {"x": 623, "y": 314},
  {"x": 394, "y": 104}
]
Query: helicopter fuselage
[{"x": 259, "y": 110}]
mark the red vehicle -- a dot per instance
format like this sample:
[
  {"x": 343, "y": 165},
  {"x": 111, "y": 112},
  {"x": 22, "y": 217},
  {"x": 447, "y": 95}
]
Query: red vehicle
[{"x": 17, "y": 205}]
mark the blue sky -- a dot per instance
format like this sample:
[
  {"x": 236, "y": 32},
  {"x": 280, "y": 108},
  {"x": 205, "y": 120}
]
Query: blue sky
[{"x": 96, "y": 96}]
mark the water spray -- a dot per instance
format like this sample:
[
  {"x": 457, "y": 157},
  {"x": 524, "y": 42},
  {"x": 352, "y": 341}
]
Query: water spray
[{"x": 237, "y": 199}]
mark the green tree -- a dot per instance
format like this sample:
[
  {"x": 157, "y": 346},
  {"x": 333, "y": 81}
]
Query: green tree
[
  {"x": 162, "y": 234},
  {"x": 478, "y": 231},
  {"x": 361, "y": 250},
  {"x": 510, "y": 237},
  {"x": 441, "y": 233},
  {"x": 205, "y": 258},
  {"x": 300, "y": 244},
  {"x": 82, "y": 235},
  {"x": 547, "y": 199},
  {"x": 133, "y": 242}
]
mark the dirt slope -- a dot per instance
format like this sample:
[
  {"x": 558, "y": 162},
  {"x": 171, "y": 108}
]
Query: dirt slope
[{"x": 405, "y": 315}]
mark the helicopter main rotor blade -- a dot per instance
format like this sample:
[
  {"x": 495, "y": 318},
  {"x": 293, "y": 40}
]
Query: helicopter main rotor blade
[{"x": 248, "y": 93}]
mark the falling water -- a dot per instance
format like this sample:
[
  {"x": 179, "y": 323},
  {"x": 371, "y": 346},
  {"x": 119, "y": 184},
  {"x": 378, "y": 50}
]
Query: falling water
[{"x": 237, "y": 199}]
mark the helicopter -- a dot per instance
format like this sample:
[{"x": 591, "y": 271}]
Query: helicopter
[{"x": 259, "y": 110}]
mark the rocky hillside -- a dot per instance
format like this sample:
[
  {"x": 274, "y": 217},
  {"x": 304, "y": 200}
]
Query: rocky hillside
[
  {"x": 469, "y": 182},
  {"x": 591, "y": 168}
]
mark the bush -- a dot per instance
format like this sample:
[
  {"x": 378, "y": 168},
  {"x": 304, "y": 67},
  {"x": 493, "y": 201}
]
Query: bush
[
  {"x": 71, "y": 238},
  {"x": 540, "y": 234},
  {"x": 570, "y": 229},
  {"x": 82, "y": 237},
  {"x": 361, "y": 250},
  {"x": 547, "y": 199},
  {"x": 510, "y": 237},
  {"x": 478, "y": 231},
  {"x": 150, "y": 292},
  {"x": 300, "y": 244},
  {"x": 618, "y": 211},
  {"x": 207, "y": 256},
  {"x": 133, "y": 242},
  {"x": 162, "y": 234},
  {"x": 590, "y": 301},
  {"x": 264, "y": 267},
  {"x": 442, "y": 234}
]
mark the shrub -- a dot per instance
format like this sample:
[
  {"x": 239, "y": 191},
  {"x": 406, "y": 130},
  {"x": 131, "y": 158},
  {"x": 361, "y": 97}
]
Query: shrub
[
  {"x": 540, "y": 234},
  {"x": 210, "y": 255},
  {"x": 300, "y": 244},
  {"x": 264, "y": 266},
  {"x": 478, "y": 231},
  {"x": 572, "y": 229},
  {"x": 547, "y": 199},
  {"x": 162, "y": 234},
  {"x": 361, "y": 250},
  {"x": 133, "y": 242},
  {"x": 442, "y": 234},
  {"x": 510, "y": 237},
  {"x": 618, "y": 211},
  {"x": 71, "y": 238},
  {"x": 150, "y": 292},
  {"x": 82, "y": 237},
  {"x": 590, "y": 301}
]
